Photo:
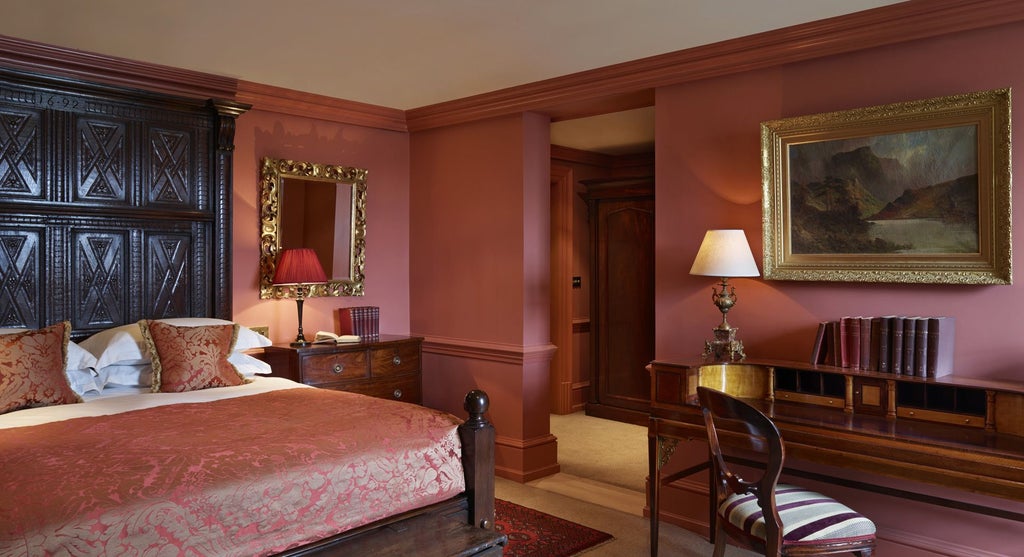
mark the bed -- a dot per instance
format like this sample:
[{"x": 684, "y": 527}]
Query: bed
[{"x": 114, "y": 223}]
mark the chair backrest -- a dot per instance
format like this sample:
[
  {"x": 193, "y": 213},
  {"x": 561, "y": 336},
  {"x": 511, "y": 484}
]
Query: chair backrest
[{"x": 753, "y": 431}]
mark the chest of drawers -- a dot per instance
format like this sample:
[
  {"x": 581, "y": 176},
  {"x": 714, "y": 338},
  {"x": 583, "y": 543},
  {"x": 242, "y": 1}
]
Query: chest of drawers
[{"x": 387, "y": 367}]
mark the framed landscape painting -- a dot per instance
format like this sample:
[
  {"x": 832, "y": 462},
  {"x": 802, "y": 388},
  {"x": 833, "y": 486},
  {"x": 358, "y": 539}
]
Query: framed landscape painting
[{"x": 913, "y": 192}]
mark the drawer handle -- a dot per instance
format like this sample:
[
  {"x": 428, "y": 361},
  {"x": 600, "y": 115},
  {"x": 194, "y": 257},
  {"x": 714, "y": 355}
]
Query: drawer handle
[
  {"x": 338, "y": 368},
  {"x": 397, "y": 394},
  {"x": 397, "y": 360}
]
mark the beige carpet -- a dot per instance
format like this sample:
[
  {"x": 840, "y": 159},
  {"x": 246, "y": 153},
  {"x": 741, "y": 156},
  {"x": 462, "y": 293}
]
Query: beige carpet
[
  {"x": 604, "y": 467},
  {"x": 602, "y": 450}
]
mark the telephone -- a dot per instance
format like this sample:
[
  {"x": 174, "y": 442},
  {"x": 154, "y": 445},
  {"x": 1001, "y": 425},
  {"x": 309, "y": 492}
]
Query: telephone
[{"x": 326, "y": 336}]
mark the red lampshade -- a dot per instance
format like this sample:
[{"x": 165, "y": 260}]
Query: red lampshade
[{"x": 299, "y": 266}]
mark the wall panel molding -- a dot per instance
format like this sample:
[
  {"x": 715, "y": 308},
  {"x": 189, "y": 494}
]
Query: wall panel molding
[{"x": 488, "y": 351}]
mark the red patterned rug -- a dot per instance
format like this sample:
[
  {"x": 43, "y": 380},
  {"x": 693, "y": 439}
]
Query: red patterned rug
[{"x": 535, "y": 534}]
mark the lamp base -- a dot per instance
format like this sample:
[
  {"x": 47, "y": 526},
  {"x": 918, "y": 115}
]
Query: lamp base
[{"x": 725, "y": 347}]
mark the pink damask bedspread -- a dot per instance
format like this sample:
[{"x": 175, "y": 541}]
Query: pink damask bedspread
[{"x": 242, "y": 476}]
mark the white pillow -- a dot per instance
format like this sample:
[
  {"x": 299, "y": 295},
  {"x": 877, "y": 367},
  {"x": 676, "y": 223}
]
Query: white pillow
[
  {"x": 248, "y": 365},
  {"x": 126, "y": 375},
  {"x": 140, "y": 374},
  {"x": 124, "y": 345},
  {"x": 84, "y": 380}
]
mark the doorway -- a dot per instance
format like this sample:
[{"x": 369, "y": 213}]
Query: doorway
[{"x": 615, "y": 145}]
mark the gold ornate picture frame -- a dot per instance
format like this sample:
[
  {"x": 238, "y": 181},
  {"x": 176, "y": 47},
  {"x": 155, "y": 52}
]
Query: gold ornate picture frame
[
  {"x": 343, "y": 231},
  {"x": 913, "y": 192}
]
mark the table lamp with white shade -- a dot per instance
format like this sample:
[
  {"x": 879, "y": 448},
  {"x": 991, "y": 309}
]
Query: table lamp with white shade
[{"x": 724, "y": 254}]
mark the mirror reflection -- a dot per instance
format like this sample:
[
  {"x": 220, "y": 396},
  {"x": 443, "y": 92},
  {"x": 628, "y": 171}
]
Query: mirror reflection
[{"x": 310, "y": 205}]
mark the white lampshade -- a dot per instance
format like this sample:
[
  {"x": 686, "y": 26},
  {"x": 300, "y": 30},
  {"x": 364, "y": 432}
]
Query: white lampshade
[{"x": 724, "y": 253}]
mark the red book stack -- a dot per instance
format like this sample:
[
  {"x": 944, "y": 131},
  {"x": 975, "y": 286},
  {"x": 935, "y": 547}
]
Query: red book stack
[{"x": 362, "y": 321}]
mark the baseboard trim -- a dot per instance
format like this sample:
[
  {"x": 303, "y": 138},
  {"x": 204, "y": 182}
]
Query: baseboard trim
[{"x": 931, "y": 544}]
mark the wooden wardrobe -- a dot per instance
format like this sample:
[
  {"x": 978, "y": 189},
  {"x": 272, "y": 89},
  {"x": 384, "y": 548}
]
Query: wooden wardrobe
[{"x": 621, "y": 212}]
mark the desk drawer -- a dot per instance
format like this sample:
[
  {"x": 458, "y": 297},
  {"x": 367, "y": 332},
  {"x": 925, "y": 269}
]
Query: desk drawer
[
  {"x": 395, "y": 360},
  {"x": 805, "y": 398},
  {"x": 319, "y": 369},
  {"x": 941, "y": 417}
]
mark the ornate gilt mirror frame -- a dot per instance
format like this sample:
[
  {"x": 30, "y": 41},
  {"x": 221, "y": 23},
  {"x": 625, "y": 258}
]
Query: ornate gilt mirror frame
[{"x": 274, "y": 174}]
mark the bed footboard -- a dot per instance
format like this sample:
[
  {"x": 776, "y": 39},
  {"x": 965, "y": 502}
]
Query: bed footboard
[
  {"x": 442, "y": 528},
  {"x": 477, "y": 435}
]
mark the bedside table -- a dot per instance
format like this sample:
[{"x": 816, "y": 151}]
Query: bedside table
[{"x": 386, "y": 367}]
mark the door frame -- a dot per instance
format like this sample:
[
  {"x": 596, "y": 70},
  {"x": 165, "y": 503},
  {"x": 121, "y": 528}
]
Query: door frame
[{"x": 560, "y": 377}]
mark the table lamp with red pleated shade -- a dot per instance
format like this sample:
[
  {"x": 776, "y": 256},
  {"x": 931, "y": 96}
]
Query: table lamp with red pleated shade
[{"x": 300, "y": 267}]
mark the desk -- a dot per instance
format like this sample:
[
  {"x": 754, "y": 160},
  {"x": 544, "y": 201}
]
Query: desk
[{"x": 956, "y": 433}]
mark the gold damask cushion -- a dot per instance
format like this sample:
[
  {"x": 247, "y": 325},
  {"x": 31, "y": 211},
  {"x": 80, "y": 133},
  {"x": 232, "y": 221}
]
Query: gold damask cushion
[
  {"x": 32, "y": 368},
  {"x": 191, "y": 358}
]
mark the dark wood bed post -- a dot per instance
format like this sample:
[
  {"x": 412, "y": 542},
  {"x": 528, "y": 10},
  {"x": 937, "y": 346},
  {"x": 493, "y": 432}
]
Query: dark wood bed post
[
  {"x": 477, "y": 436},
  {"x": 223, "y": 183}
]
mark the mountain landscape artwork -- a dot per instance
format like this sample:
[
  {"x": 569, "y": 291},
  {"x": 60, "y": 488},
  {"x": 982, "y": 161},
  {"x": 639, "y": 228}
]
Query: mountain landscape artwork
[{"x": 903, "y": 193}]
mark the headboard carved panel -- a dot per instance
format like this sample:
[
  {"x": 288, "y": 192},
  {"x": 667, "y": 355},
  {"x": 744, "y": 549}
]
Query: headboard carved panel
[{"x": 114, "y": 204}]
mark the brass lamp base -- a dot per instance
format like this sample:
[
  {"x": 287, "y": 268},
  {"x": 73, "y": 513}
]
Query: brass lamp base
[{"x": 725, "y": 347}]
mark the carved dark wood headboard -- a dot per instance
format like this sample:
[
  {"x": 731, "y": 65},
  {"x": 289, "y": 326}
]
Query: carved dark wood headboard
[{"x": 115, "y": 204}]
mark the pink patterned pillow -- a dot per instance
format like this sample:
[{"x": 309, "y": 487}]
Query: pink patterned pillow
[
  {"x": 32, "y": 368},
  {"x": 191, "y": 358}
]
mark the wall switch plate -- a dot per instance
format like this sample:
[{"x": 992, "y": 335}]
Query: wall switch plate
[{"x": 262, "y": 329}]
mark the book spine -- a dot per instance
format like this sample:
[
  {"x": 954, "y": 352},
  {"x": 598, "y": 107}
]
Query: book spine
[
  {"x": 876, "y": 344},
  {"x": 884, "y": 343},
  {"x": 364, "y": 322},
  {"x": 357, "y": 322},
  {"x": 941, "y": 332},
  {"x": 909, "y": 335},
  {"x": 818, "y": 348},
  {"x": 921, "y": 342},
  {"x": 835, "y": 356},
  {"x": 896, "y": 365},
  {"x": 853, "y": 348},
  {"x": 373, "y": 324},
  {"x": 865, "y": 343}
]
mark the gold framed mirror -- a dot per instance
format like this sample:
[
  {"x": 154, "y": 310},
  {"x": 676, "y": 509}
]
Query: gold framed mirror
[{"x": 318, "y": 206}]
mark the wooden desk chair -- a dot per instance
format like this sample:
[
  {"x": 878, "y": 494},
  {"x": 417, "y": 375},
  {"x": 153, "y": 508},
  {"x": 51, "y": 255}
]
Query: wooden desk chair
[{"x": 799, "y": 522}]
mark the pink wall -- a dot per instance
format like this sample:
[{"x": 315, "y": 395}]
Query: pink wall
[
  {"x": 467, "y": 245},
  {"x": 479, "y": 277},
  {"x": 709, "y": 176},
  {"x": 385, "y": 154}
]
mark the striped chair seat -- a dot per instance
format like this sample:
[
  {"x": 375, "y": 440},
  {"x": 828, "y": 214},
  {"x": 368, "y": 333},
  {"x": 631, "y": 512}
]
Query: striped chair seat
[{"x": 806, "y": 516}]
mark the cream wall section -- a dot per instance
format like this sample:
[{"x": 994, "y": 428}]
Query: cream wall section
[
  {"x": 385, "y": 154},
  {"x": 708, "y": 175},
  {"x": 479, "y": 274}
]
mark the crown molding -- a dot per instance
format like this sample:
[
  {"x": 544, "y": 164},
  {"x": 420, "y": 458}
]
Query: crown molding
[
  {"x": 68, "y": 62},
  {"x": 579, "y": 156},
  {"x": 607, "y": 89},
  {"x": 78, "y": 64},
  {"x": 886, "y": 25},
  {"x": 321, "y": 107}
]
